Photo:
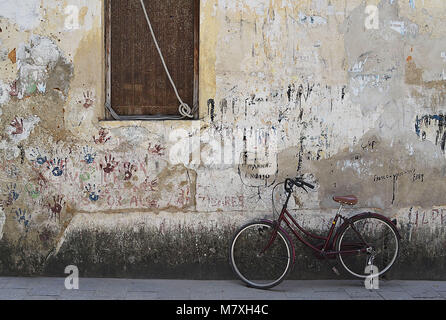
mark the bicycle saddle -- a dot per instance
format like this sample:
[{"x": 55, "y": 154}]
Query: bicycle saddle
[{"x": 350, "y": 200}]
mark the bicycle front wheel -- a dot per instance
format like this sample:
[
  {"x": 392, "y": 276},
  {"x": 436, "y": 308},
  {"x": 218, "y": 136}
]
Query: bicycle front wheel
[
  {"x": 374, "y": 234},
  {"x": 257, "y": 267}
]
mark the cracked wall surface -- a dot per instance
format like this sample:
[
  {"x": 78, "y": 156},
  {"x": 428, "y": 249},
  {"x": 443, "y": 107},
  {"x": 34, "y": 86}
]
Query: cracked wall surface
[{"x": 353, "y": 101}]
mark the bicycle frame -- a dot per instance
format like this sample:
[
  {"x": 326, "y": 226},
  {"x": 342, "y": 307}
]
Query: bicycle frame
[{"x": 325, "y": 251}]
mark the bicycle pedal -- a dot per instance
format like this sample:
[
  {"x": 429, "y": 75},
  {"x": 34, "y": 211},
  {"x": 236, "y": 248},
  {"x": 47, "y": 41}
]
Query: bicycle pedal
[{"x": 335, "y": 270}]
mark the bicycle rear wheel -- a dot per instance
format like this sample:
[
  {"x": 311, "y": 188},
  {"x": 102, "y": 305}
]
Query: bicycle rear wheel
[
  {"x": 257, "y": 269},
  {"x": 370, "y": 232}
]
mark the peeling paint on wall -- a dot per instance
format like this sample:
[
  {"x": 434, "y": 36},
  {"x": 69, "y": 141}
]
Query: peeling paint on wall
[
  {"x": 40, "y": 64},
  {"x": 4, "y": 94},
  {"x": 25, "y": 13}
]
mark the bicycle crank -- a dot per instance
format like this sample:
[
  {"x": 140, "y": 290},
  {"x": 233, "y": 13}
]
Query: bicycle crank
[{"x": 333, "y": 267}]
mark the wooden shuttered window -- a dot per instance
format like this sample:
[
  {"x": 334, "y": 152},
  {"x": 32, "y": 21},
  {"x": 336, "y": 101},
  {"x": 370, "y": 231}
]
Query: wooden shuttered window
[{"x": 137, "y": 83}]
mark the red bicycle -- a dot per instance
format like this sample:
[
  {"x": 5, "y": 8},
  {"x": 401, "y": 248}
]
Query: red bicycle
[{"x": 262, "y": 252}]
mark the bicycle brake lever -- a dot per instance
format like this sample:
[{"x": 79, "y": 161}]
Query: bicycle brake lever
[{"x": 304, "y": 189}]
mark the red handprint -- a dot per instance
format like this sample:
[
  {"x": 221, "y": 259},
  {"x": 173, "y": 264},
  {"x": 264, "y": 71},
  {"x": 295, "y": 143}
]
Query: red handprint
[
  {"x": 18, "y": 125},
  {"x": 56, "y": 208},
  {"x": 129, "y": 169},
  {"x": 88, "y": 96},
  {"x": 110, "y": 164},
  {"x": 14, "y": 92},
  {"x": 157, "y": 149},
  {"x": 102, "y": 137}
]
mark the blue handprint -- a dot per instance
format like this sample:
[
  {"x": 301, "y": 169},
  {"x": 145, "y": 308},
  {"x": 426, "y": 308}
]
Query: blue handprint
[
  {"x": 93, "y": 193},
  {"x": 22, "y": 216},
  {"x": 57, "y": 165},
  {"x": 12, "y": 171},
  {"x": 89, "y": 154},
  {"x": 38, "y": 157},
  {"x": 13, "y": 195}
]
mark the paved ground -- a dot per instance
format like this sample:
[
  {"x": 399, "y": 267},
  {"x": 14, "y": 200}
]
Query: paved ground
[{"x": 123, "y": 289}]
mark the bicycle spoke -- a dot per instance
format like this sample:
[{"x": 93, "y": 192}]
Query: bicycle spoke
[
  {"x": 254, "y": 262},
  {"x": 381, "y": 241}
]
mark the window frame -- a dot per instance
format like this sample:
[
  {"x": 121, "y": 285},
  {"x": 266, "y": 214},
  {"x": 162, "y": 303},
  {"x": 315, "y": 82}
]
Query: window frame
[{"x": 107, "y": 52}]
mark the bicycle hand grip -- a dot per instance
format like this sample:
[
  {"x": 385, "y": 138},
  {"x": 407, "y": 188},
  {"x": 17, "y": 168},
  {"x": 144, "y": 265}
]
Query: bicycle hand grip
[
  {"x": 300, "y": 183},
  {"x": 308, "y": 185}
]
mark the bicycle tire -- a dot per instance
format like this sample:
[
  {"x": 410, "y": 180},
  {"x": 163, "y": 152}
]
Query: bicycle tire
[
  {"x": 244, "y": 256},
  {"x": 384, "y": 228}
]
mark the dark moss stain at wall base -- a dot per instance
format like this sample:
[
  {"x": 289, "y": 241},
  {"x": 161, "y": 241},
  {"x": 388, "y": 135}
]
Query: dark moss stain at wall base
[
  {"x": 187, "y": 254},
  {"x": 19, "y": 260},
  {"x": 149, "y": 254}
]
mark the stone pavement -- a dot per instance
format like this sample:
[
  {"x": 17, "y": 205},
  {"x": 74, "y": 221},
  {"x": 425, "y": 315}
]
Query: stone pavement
[{"x": 134, "y": 289}]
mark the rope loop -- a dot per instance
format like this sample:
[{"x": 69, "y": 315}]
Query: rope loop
[{"x": 184, "y": 109}]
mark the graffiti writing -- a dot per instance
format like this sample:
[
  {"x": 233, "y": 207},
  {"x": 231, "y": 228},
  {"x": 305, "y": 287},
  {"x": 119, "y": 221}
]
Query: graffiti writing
[
  {"x": 226, "y": 202},
  {"x": 435, "y": 216},
  {"x": 393, "y": 176}
]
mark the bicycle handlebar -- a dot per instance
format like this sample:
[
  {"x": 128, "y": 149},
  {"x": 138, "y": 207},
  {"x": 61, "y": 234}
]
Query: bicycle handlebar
[
  {"x": 298, "y": 182},
  {"x": 308, "y": 185}
]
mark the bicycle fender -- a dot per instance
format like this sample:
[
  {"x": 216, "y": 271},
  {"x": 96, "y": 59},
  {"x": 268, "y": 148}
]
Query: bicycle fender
[
  {"x": 287, "y": 236},
  {"x": 366, "y": 215}
]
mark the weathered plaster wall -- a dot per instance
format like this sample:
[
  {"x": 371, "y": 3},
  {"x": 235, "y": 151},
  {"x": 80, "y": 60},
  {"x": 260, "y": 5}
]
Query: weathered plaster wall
[{"x": 319, "y": 87}]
